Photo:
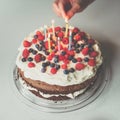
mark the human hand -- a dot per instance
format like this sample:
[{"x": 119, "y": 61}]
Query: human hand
[{"x": 68, "y": 8}]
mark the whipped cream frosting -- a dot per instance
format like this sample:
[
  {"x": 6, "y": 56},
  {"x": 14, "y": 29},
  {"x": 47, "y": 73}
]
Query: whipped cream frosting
[{"x": 59, "y": 78}]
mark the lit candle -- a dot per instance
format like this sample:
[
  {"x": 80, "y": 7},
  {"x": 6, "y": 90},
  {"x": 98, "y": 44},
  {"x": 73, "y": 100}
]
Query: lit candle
[
  {"x": 53, "y": 27},
  {"x": 58, "y": 45},
  {"x": 45, "y": 33},
  {"x": 49, "y": 45},
  {"x": 70, "y": 40},
  {"x": 66, "y": 32}
]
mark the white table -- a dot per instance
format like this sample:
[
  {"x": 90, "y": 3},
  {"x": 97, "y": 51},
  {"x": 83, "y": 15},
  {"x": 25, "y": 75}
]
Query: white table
[{"x": 19, "y": 17}]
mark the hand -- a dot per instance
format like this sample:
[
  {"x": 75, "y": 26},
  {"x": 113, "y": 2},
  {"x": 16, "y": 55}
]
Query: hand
[{"x": 68, "y": 8}]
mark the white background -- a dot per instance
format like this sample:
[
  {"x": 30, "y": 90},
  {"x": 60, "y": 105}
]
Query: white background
[{"x": 20, "y": 17}]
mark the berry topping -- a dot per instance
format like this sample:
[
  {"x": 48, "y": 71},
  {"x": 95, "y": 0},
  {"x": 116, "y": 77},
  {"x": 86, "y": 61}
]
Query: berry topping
[
  {"x": 34, "y": 52},
  {"x": 65, "y": 40},
  {"x": 92, "y": 62},
  {"x": 50, "y": 57},
  {"x": 56, "y": 59},
  {"x": 43, "y": 58},
  {"x": 77, "y": 37},
  {"x": 57, "y": 66},
  {"x": 71, "y": 70},
  {"x": 66, "y": 71},
  {"x": 64, "y": 66},
  {"x": 63, "y": 53},
  {"x": 86, "y": 59},
  {"x": 25, "y": 53},
  {"x": 79, "y": 59},
  {"x": 94, "y": 54},
  {"x": 53, "y": 70},
  {"x": 26, "y": 43},
  {"x": 30, "y": 50},
  {"x": 44, "y": 64},
  {"x": 70, "y": 57},
  {"x": 52, "y": 65},
  {"x": 79, "y": 66},
  {"x": 71, "y": 52},
  {"x": 37, "y": 58},
  {"x": 35, "y": 36},
  {"x": 60, "y": 34},
  {"x": 74, "y": 60},
  {"x": 30, "y": 59},
  {"x": 58, "y": 28},
  {"x": 76, "y": 30},
  {"x": 23, "y": 60},
  {"x": 77, "y": 51},
  {"x": 91, "y": 41},
  {"x": 31, "y": 64},
  {"x": 41, "y": 37},
  {"x": 34, "y": 41},
  {"x": 85, "y": 51},
  {"x": 38, "y": 33}
]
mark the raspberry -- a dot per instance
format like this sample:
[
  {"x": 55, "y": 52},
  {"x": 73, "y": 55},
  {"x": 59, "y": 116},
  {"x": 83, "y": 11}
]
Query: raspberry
[
  {"x": 31, "y": 64},
  {"x": 37, "y": 58},
  {"x": 41, "y": 37},
  {"x": 82, "y": 34},
  {"x": 50, "y": 30},
  {"x": 34, "y": 41},
  {"x": 66, "y": 61},
  {"x": 61, "y": 57},
  {"x": 38, "y": 33},
  {"x": 25, "y": 53},
  {"x": 77, "y": 37},
  {"x": 71, "y": 52},
  {"x": 60, "y": 34},
  {"x": 53, "y": 70},
  {"x": 65, "y": 40},
  {"x": 91, "y": 62},
  {"x": 64, "y": 66},
  {"x": 94, "y": 54},
  {"x": 50, "y": 57},
  {"x": 79, "y": 66},
  {"x": 85, "y": 51},
  {"x": 79, "y": 59},
  {"x": 26, "y": 43},
  {"x": 76, "y": 30},
  {"x": 57, "y": 28}
]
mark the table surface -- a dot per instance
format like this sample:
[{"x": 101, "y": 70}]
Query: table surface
[{"x": 19, "y": 17}]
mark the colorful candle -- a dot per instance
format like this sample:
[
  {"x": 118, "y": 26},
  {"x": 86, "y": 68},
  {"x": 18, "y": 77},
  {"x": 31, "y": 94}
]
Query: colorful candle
[
  {"x": 66, "y": 32},
  {"x": 58, "y": 45},
  {"x": 49, "y": 45},
  {"x": 53, "y": 27},
  {"x": 70, "y": 40}
]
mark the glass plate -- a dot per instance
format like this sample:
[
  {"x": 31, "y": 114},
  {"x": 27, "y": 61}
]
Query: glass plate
[{"x": 62, "y": 106}]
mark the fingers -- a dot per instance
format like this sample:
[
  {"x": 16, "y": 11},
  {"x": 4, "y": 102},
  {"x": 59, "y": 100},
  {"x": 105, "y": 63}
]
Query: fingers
[{"x": 56, "y": 8}]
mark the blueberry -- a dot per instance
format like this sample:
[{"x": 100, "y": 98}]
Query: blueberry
[
  {"x": 43, "y": 70},
  {"x": 63, "y": 53},
  {"x": 66, "y": 71},
  {"x": 41, "y": 42},
  {"x": 71, "y": 70},
  {"x": 30, "y": 50},
  {"x": 35, "y": 36},
  {"x": 34, "y": 52},
  {"x": 86, "y": 59},
  {"x": 48, "y": 63},
  {"x": 30, "y": 59},
  {"x": 77, "y": 51},
  {"x": 40, "y": 48},
  {"x": 47, "y": 53},
  {"x": 23, "y": 59},
  {"x": 52, "y": 65},
  {"x": 52, "y": 47},
  {"x": 56, "y": 59},
  {"x": 57, "y": 66},
  {"x": 91, "y": 49},
  {"x": 74, "y": 60},
  {"x": 82, "y": 45},
  {"x": 43, "y": 58},
  {"x": 89, "y": 45},
  {"x": 70, "y": 57},
  {"x": 44, "y": 64}
]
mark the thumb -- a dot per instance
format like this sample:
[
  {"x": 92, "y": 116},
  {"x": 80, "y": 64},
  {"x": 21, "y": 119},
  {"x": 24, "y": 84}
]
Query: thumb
[{"x": 75, "y": 8}]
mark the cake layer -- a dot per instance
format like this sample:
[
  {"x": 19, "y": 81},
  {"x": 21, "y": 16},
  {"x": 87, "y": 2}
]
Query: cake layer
[{"x": 55, "y": 89}]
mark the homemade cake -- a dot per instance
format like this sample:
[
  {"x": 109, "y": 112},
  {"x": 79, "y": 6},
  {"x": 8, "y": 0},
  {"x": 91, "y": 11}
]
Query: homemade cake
[{"x": 58, "y": 64}]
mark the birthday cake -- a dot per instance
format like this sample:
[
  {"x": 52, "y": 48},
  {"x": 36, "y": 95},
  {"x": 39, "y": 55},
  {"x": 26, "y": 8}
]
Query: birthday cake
[{"x": 57, "y": 63}]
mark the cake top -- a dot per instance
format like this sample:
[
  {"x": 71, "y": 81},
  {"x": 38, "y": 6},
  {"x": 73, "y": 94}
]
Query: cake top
[{"x": 57, "y": 51}]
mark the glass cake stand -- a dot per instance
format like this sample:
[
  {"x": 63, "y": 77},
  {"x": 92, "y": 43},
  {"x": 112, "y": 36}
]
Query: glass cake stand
[{"x": 66, "y": 105}]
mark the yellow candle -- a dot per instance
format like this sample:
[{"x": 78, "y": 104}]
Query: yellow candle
[{"x": 66, "y": 32}]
